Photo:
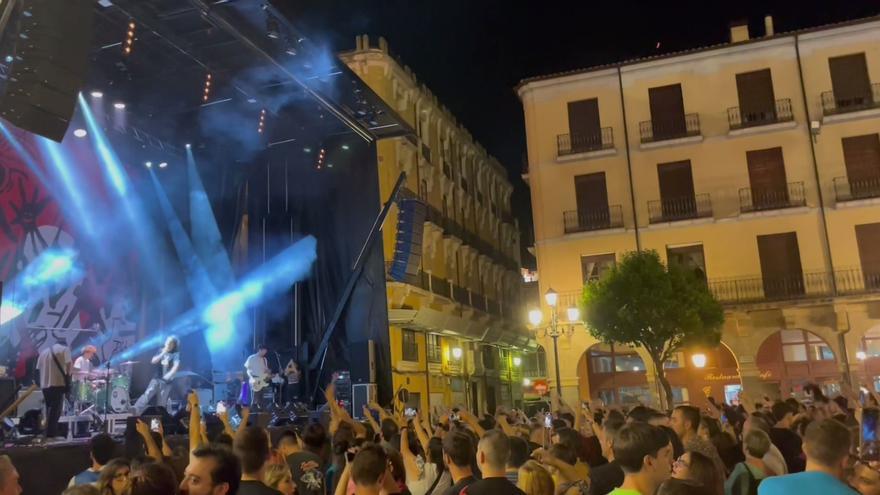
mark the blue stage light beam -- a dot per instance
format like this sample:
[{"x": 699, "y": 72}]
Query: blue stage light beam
[
  {"x": 267, "y": 281},
  {"x": 53, "y": 270},
  {"x": 199, "y": 283},
  {"x": 29, "y": 160},
  {"x": 115, "y": 171},
  {"x": 73, "y": 188},
  {"x": 205, "y": 233}
]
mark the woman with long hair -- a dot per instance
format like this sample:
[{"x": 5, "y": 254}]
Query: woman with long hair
[
  {"x": 724, "y": 442},
  {"x": 278, "y": 476},
  {"x": 700, "y": 469},
  {"x": 115, "y": 478},
  {"x": 534, "y": 479}
]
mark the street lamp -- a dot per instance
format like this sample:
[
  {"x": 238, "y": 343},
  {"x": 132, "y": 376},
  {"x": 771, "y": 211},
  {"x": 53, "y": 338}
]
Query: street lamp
[
  {"x": 555, "y": 330},
  {"x": 861, "y": 355},
  {"x": 456, "y": 352},
  {"x": 699, "y": 360},
  {"x": 517, "y": 361}
]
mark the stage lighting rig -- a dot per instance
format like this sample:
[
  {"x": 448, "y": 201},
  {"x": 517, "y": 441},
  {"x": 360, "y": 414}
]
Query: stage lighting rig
[
  {"x": 207, "y": 92},
  {"x": 262, "y": 125},
  {"x": 128, "y": 45}
]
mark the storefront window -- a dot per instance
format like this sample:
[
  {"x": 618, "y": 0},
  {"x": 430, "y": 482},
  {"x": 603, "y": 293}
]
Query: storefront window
[
  {"x": 628, "y": 362},
  {"x": 606, "y": 396},
  {"x": 794, "y": 353},
  {"x": 679, "y": 395},
  {"x": 731, "y": 393},
  {"x": 602, "y": 364},
  {"x": 800, "y": 345},
  {"x": 674, "y": 362},
  {"x": 871, "y": 342},
  {"x": 632, "y": 395}
]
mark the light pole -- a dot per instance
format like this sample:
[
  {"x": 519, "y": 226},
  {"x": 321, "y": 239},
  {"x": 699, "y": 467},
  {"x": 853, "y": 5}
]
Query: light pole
[{"x": 555, "y": 330}]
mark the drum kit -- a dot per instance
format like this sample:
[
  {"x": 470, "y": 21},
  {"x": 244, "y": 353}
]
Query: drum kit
[{"x": 102, "y": 390}]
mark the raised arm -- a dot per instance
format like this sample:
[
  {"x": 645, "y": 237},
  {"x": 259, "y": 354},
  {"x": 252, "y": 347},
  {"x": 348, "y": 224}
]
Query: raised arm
[
  {"x": 152, "y": 449},
  {"x": 421, "y": 435},
  {"x": 409, "y": 459},
  {"x": 342, "y": 484},
  {"x": 473, "y": 422},
  {"x": 195, "y": 421}
]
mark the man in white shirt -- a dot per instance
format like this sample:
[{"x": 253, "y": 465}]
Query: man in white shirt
[
  {"x": 54, "y": 365},
  {"x": 257, "y": 368},
  {"x": 83, "y": 364}
]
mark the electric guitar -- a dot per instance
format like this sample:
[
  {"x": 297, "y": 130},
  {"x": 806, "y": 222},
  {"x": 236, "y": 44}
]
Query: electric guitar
[{"x": 260, "y": 382}]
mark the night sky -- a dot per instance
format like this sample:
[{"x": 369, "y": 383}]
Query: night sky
[{"x": 471, "y": 53}]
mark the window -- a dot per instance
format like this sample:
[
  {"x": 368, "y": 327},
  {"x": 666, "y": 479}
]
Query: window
[
  {"x": 688, "y": 257},
  {"x": 850, "y": 81},
  {"x": 602, "y": 364},
  {"x": 675, "y": 361},
  {"x": 871, "y": 342},
  {"x": 606, "y": 396},
  {"x": 756, "y": 100},
  {"x": 593, "y": 267},
  {"x": 583, "y": 125},
  {"x": 780, "y": 265},
  {"x": 489, "y": 357},
  {"x": 680, "y": 395},
  {"x": 677, "y": 200},
  {"x": 410, "y": 346},
  {"x": 434, "y": 348},
  {"x": 800, "y": 346},
  {"x": 628, "y": 362},
  {"x": 868, "y": 240},
  {"x": 632, "y": 395}
]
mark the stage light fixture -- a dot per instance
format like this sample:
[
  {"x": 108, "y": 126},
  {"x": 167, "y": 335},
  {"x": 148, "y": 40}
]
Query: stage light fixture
[
  {"x": 188, "y": 146},
  {"x": 128, "y": 45},
  {"x": 307, "y": 150},
  {"x": 345, "y": 147},
  {"x": 207, "y": 92},
  {"x": 80, "y": 133},
  {"x": 97, "y": 94},
  {"x": 163, "y": 164},
  {"x": 149, "y": 164},
  {"x": 9, "y": 59},
  {"x": 262, "y": 121},
  {"x": 321, "y": 155},
  {"x": 119, "y": 106}
]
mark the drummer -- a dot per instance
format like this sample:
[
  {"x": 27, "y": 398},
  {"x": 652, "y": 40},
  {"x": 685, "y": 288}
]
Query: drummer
[{"x": 83, "y": 365}]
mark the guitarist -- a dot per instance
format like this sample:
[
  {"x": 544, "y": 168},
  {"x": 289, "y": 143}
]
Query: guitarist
[
  {"x": 54, "y": 366},
  {"x": 259, "y": 375}
]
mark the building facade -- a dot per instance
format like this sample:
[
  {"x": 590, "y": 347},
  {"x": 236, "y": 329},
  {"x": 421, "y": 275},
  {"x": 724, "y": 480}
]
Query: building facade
[
  {"x": 755, "y": 162},
  {"x": 457, "y": 329}
]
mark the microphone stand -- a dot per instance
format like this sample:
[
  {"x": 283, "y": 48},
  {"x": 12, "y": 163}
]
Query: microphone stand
[{"x": 108, "y": 390}]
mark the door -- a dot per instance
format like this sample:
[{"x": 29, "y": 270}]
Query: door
[
  {"x": 667, "y": 112},
  {"x": 868, "y": 239},
  {"x": 861, "y": 154},
  {"x": 757, "y": 104},
  {"x": 850, "y": 81},
  {"x": 781, "y": 271},
  {"x": 592, "y": 201},
  {"x": 676, "y": 190},
  {"x": 490, "y": 399},
  {"x": 583, "y": 125},
  {"x": 769, "y": 188}
]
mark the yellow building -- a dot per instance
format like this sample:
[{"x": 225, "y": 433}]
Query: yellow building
[
  {"x": 756, "y": 162},
  {"x": 457, "y": 329}
]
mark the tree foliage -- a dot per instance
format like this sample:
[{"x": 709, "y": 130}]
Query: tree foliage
[{"x": 643, "y": 303}]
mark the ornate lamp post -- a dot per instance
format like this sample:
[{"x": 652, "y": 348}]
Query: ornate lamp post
[{"x": 555, "y": 329}]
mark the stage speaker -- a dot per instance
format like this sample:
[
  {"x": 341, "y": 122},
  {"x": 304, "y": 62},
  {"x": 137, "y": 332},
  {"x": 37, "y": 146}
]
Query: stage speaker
[
  {"x": 33, "y": 401},
  {"x": 51, "y": 41},
  {"x": 363, "y": 362},
  {"x": 408, "y": 246},
  {"x": 361, "y": 395},
  {"x": 260, "y": 419}
]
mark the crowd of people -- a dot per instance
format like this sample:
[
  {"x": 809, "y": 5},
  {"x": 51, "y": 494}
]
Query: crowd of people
[{"x": 766, "y": 447}]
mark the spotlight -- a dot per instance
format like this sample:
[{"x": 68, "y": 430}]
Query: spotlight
[
  {"x": 188, "y": 146},
  {"x": 345, "y": 147},
  {"x": 149, "y": 164},
  {"x": 129, "y": 39},
  {"x": 307, "y": 150},
  {"x": 80, "y": 133},
  {"x": 97, "y": 94},
  {"x": 119, "y": 106},
  {"x": 163, "y": 164},
  {"x": 207, "y": 91},
  {"x": 9, "y": 59}
]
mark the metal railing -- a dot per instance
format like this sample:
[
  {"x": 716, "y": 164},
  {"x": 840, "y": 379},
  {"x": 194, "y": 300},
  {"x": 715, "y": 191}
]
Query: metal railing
[
  {"x": 818, "y": 284},
  {"x": 461, "y": 295},
  {"x": 665, "y": 128},
  {"x": 832, "y": 104},
  {"x": 850, "y": 190},
  {"x": 781, "y": 112},
  {"x": 410, "y": 351},
  {"x": 569, "y": 144},
  {"x": 589, "y": 219},
  {"x": 440, "y": 286},
  {"x": 426, "y": 152},
  {"x": 759, "y": 199},
  {"x": 676, "y": 209}
]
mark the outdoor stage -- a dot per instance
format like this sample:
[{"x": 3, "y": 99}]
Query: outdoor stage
[{"x": 217, "y": 182}]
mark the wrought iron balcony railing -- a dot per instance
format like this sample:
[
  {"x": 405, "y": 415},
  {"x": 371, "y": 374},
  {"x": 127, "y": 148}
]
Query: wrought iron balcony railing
[
  {"x": 781, "y": 112},
  {"x": 596, "y": 218},
  {"x": 834, "y": 104},
  {"x": 569, "y": 144},
  {"x": 677, "y": 209},
  {"x": 820, "y": 284},
  {"x": 663, "y": 129},
  {"x": 771, "y": 198},
  {"x": 435, "y": 354},
  {"x": 851, "y": 190}
]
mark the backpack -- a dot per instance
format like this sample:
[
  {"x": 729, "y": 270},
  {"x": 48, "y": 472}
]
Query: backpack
[{"x": 753, "y": 482}]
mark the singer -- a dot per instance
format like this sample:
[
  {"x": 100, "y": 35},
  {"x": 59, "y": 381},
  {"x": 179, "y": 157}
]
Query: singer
[{"x": 167, "y": 362}]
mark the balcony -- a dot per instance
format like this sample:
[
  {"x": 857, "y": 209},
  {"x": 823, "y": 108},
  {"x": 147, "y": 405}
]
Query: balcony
[
  {"x": 435, "y": 353},
  {"x": 833, "y": 105},
  {"x": 656, "y": 130},
  {"x": 426, "y": 152},
  {"x": 440, "y": 286},
  {"x": 853, "y": 190},
  {"x": 752, "y": 199},
  {"x": 678, "y": 209},
  {"x": 587, "y": 220},
  {"x": 570, "y": 144},
  {"x": 780, "y": 113},
  {"x": 849, "y": 281},
  {"x": 461, "y": 295}
]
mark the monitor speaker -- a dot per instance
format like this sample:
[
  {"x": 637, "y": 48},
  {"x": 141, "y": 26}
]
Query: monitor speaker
[{"x": 50, "y": 42}]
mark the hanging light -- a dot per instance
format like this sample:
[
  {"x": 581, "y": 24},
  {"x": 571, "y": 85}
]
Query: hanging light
[
  {"x": 552, "y": 297},
  {"x": 699, "y": 360}
]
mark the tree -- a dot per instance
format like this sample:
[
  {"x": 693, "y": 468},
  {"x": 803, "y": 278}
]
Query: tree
[{"x": 641, "y": 302}]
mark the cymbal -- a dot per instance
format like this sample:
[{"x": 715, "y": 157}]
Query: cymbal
[{"x": 127, "y": 363}]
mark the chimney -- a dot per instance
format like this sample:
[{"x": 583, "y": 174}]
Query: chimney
[
  {"x": 739, "y": 31},
  {"x": 768, "y": 25}
]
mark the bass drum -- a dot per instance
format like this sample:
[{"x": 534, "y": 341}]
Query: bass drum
[{"x": 119, "y": 400}]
